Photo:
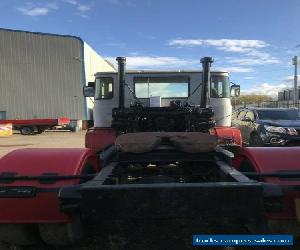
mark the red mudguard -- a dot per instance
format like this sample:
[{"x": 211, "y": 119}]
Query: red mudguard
[
  {"x": 43, "y": 206},
  {"x": 99, "y": 138},
  {"x": 227, "y": 135},
  {"x": 275, "y": 160}
]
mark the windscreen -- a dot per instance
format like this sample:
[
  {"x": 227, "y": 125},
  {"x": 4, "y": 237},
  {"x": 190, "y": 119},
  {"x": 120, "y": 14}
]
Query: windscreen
[
  {"x": 278, "y": 114},
  {"x": 219, "y": 87},
  {"x": 165, "y": 87}
]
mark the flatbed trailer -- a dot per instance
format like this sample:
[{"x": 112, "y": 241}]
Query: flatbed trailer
[{"x": 30, "y": 126}]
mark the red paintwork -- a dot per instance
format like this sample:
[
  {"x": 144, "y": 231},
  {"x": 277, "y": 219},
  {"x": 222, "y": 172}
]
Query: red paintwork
[
  {"x": 31, "y": 122},
  {"x": 224, "y": 133},
  {"x": 43, "y": 207},
  {"x": 270, "y": 160},
  {"x": 99, "y": 138},
  {"x": 63, "y": 121}
]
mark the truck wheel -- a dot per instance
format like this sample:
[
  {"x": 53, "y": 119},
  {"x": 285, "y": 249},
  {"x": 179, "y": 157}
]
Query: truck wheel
[
  {"x": 62, "y": 234},
  {"x": 256, "y": 141},
  {"x": 40, "y": 130},
  {"x": 19, "y": 234},
  {"x": 26, "y": 130}
]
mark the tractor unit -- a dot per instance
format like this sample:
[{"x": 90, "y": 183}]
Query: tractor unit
[{"x": 160, "y": 164}]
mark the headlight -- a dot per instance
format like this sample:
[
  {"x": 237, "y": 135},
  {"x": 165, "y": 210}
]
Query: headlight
[
  {"x": 273, "y": 129},
  {"x": 292, "y": 131},
  {"x": 289, "y": 131}
]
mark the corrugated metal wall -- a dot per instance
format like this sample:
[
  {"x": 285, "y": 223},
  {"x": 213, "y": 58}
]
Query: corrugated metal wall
[{"x": 41, "y": 75}]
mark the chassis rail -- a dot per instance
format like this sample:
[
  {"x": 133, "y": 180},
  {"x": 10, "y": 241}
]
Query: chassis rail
[{"x": 234, "y": 198}]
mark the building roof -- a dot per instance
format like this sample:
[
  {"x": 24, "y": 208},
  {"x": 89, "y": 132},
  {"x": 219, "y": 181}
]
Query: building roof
[{"x": 42, "y": 33}]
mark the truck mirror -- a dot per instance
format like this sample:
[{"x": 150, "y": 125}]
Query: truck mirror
[
  {"x": 235, "y": 90},
  {"x": 89, "y": 90},
  {"x": 91, "y": 84}
]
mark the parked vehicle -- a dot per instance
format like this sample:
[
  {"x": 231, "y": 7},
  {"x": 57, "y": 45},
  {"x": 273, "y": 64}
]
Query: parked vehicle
[
  {"x": 268, "y": 126},
  {"x": 31, "y": 126}
]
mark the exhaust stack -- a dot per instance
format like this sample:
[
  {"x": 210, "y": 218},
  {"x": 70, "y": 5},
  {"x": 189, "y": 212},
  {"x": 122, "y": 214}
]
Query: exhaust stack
[
  {"x": 121, "y": 76},
  {"x": 206, "y": 64}
]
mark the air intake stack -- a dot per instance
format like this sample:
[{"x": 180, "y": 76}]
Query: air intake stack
[
  {"x": 121, "y": 76},
  {"x": 206, "y": 64}
]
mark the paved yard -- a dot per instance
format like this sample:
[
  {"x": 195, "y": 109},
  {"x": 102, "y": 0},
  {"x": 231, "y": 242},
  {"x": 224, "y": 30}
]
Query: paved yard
[{"x": 45, "y": 140}]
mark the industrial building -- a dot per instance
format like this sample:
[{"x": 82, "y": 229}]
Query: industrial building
[
  {"x": 287, "y": 94},
  {"x": 42, "y": 75},
  {"x": 286, "y": 99}
]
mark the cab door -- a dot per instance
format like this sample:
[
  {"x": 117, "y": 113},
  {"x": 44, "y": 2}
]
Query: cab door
[{"x": 106, "y": 98}]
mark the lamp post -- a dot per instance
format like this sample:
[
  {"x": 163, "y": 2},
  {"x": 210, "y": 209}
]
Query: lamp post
[{"x": 295, "y": 63}]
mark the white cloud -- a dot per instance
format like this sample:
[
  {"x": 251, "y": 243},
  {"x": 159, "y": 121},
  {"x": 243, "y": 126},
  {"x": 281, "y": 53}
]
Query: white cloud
[
  {"x": 161, "y": 62},
  {"x": 35, "y": 11},
  {"x": 134, "y": 53},
  {"x": 83, "y": 8},
  {"x": 265, "y": 89},
  {"x": 236, "y": 69},
  {"x": 53, "y": 6},
  {"x": 116, "y": 2},
  {"x": 249, "y": 77},
  {"x": 74, "y": 2},
  {"x": 156, "y": 62},
  {"x": 250, "y": 48},
  {"x": 269, "y": 88},
  {"x": 81, "y": 14},
  {"x": 186, "y": 42},
  {"x": 290, "y": 80},
  {"x": 128, "y": 3},
  {"x": 255, "y": 61},
  {"x": 231, "y": 45}
]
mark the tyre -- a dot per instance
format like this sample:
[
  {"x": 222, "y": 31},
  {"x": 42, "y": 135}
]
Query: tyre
[
  {"x": 256, "y": 141},
  {"x": 27, "y": 130},
  {"x": 19, "y": 234},
  {"x": 63, "y": 234},
  {"x": 40, "y": 130}
]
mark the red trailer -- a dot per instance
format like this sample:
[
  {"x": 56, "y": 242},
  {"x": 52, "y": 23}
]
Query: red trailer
[{"x": 30, "y": 126}]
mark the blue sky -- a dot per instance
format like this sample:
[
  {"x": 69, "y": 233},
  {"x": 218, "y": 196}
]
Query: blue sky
[{"x": 254, "y": 39}]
